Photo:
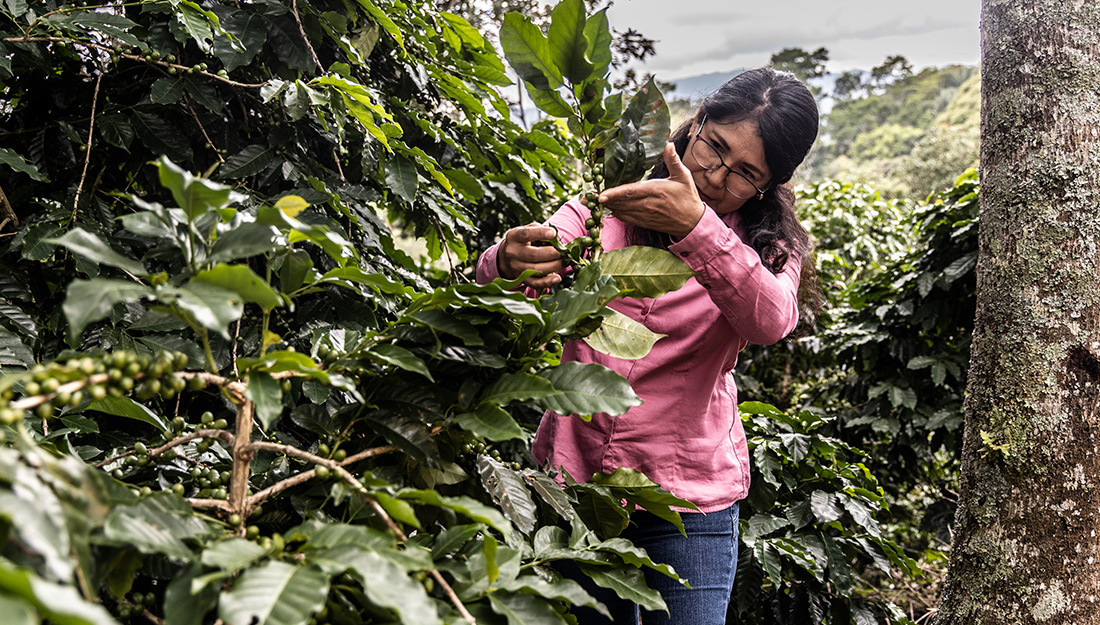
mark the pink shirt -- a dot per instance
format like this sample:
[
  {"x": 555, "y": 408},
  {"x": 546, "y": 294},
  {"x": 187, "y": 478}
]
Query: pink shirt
[{"x": 686, "y": 436}]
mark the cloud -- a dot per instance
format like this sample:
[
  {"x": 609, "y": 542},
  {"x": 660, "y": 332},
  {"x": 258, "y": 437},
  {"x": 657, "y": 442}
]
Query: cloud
[{"x": 699, "y": 36}]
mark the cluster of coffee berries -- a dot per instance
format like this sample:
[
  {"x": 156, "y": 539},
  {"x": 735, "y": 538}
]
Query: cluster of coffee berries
[
  {"x": 137, "y": 604},
  {"x": 69, "y": 383},
  {"x": 583, "y": 249}
]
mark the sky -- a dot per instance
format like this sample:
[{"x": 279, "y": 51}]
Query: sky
[{"x": 703, "y": 36}]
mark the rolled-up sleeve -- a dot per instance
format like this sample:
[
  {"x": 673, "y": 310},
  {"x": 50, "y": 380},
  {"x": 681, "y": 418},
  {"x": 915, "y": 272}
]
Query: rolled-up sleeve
[{"x": 761, "y": 306}]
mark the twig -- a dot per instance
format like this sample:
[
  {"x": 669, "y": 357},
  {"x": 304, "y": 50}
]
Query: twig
[
  {"x": 208, "y": 503},
  {"x": 243, "y": 451},
  {"x": 7, "y": 211},
  {"x": 88, "y": 150},
  {"x": 339, "y": 168},
  {"x": 222, "y": 435},
  {"x": 153, "y": 618},
  {"x": 446, "y": 250},
  {"x": 197, "y": 121},
  {"x": 236, "y": 339},
  {"x": 302, "y": 30}
]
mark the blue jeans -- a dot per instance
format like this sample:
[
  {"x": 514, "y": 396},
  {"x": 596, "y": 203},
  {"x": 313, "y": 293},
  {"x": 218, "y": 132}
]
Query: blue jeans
[{"x": 707, "y": 559}]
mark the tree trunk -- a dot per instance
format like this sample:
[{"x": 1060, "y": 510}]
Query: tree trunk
[{"x": 1026, "y": 548}]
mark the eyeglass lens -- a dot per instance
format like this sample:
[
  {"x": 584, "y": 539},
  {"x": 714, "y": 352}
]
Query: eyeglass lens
[{"x": 708, "y": 158}]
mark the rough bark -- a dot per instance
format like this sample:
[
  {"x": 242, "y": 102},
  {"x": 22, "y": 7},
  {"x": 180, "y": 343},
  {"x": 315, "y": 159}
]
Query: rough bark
[{"x": 1025, "y": 547}]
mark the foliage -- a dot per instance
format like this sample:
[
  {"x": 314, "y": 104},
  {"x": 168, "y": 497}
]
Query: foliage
[
  {"x": 907, "y": 135},
  {"x": 890, "y": 362},
  {"x": 433, "y": 524},
  {"x": 809, "y": 526}
]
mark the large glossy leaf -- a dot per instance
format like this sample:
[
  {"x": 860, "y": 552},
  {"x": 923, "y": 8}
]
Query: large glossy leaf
[
  {"x": 158, "y": 523},
  {"x": 568, "y": 44},
  {"x": 646, "y": 271},
  {"x": 627, "y": 583},
  {"x": 87, "y": 301},
  {"x": 388, "y": 586},
  {"x": 561, "y": 590},
  {"x": 471, "y": 508},
  {"x": 644, "y": 129},
  {"x": 552, "y": 493},
  {"x": 620, "y": 336},
  {"x": 528, "y": 52},
  {"x": 632, "y": 554},
  {"x": 130, "y": 409},
  {"x": 491, "y": 422},
  {"x": 274, "y": 593},
  {"x": 524, "y": 609},
  {"x": 402, "y": 177},
  {"x": 212, "y": 306},
  {"x": 507, "y": 488},
  {"x": 243, "y": 281},
  {"x": 187, "y": 603},
  {"x": 20, "y": 164},
  {"x": 598, "y": 34},
  {"x": 587, "y": 389},
  {"x": 233, "y": 554},
  {"x": 194, "y": 195},
  {"x": 264, "y": 391},
  {"x": 521, "y": 386},
  {"x": 248, "y": 162},
  {"x": 95, "y": 249},
  {"x": 59, "y": 604},
  {"x": 244, "y": 240},
  {"x": 17, "y": 612},
  {"x": 399, "y": 357}
]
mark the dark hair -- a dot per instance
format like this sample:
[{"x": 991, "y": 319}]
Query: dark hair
[{"x": 785, "y": 114}]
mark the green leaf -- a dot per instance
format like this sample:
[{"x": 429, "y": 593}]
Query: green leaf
[
  {"x": 186, "y": 603},
  {"x": 761, "y": 524},
  {"x": 491, "y": 422},
  {"x": 398, "y": 509},
  {"x": 388, "y": 586},
  {"x": 402, "y": 177},
  {"x": 264, "y": 391},
  {"x": 241, "y": 280},
  {"x": 561, "y": 590},
  {"x": 233, "y": 554},
  {"x": 528, "y": 52},
  {"x": 130, "y": 409},
  {"x": 115, "y": 129},
  {"x": 634, "y": 555},
  {"x": 646, "y": 271},
  {"x": 57, "y": 603},
  {"x": 509, "y": 492},
  {"x": 159, "y": 135},
  {"x": 549, "y": 101},
  {"x": 158, "y": 523},
  {"x": 644, "y": 129},
  {"x": 620, "y": 336},
  {"x": 248, "y": 162},
  {"x": 243, "y": 241},
  {"x": 568, "y": 44},
  {"x": 97, "y": 250},
  {"x": 17, "y": 612},
  {"x": 212, "y": 306},
  {"x": 473, "y": 509},
  {"x": 87, "y": 301},
  {"x": 20, "y": 164},
  {"x": 274, "y": 593},
  {"x": 524, "y": 609},
  {"x": 194, "y": 195},
  {"x": 840, "y": 573},
  {"x": 552, "y": 493},
  {"x": 587, "y": 389},
  {"x": 400, "y": 358},
  {"x": 627, "y": 583},
  {"x": 825, "y": 506},
  {"x": 598, "y": 34},
  {"x": 521, "y": 386}
]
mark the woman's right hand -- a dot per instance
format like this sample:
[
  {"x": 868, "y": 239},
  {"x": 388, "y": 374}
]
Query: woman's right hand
[{"x": 520, "y": 250}]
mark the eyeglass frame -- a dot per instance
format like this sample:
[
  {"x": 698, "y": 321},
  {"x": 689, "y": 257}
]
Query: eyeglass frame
[{"x": 721, "y": 163}]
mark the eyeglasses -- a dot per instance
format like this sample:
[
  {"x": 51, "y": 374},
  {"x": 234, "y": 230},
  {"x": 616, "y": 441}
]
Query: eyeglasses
[{"x": 707, "y": 156}]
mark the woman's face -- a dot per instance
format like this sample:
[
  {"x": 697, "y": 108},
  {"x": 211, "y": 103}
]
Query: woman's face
[{"x": 741, "y": 150}]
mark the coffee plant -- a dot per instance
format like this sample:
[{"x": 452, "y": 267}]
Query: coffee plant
[{"x": 228, "y": 393}]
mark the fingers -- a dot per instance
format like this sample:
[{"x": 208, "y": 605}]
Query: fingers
[
  {"x": 531, "y": 234},
  {"x": 676, "y": 168}
]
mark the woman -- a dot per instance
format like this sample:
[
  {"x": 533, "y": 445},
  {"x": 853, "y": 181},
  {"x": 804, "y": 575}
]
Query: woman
[{"x": 718, "y": 200}]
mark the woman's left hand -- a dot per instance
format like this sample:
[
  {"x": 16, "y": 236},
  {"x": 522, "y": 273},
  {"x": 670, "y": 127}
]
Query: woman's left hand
[{"x": 671, "y": 205}]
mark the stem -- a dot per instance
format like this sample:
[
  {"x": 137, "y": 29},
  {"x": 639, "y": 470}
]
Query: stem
[
  {"x": 211, "y": 366},
  {"x": 243, "y": 451},
  {"x": 88, "y": 151}
]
